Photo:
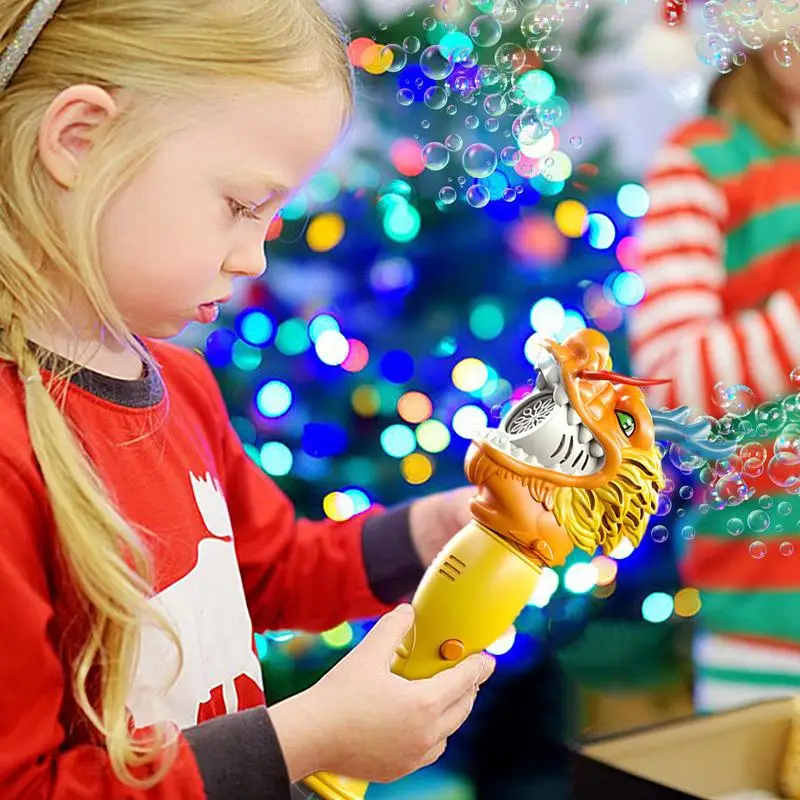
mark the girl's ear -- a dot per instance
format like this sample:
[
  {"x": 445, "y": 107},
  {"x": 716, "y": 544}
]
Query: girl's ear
[{"x": 67, "y": 129}]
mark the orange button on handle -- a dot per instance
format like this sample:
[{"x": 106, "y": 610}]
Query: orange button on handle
[{"x": 452, "y": 650}]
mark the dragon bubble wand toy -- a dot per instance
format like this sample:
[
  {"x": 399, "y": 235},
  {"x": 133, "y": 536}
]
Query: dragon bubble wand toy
[{"x": 573, "y": 464}]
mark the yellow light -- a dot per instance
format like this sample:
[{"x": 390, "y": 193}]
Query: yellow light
[
  {"x": 687, "y": 602},
  {"x": 470, "y": 374},
  {"x": 338, "y": 506},
  {"x": 556, "y": 167},
  {"x": 338, "y": 637},
  {"x": 377, "y": 58},
  {"x": 325, "y": 232},
  {"x": 572, "y": 218},
  {"x": 414, "y": 407},
  {"x": 416, "y": 468},
  {"x": 366, "y": 401},
  {"x": 433, "y": 436}
]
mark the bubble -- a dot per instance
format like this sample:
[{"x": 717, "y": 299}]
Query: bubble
[
  {"x": 453, "y": 142},
  {"x": 536, "y": 26},
  {"x": 685, "y": 461},
  {"x": 784, "y": 508},
  {"x": 395, "y": 56},
  {"x": 758, "y": 550},
  {"x": 509, "y": 195},
  {"x": 731, "y": 491},
  {"x": 506, "y": 11},
  {"x": 405, "y": 97},
  {"x": 739, "y": 58},
  {"x": 425, "y": 124},
  {"x": 510, "y": 156},
  {"x": 472, "y": 122},
  {"x": 428, "y": 24},
  {"x": 448, "y": 195},
  {"x": 435, "y": 156},
  {"x": 576, "y": 142},
  {"x": 495, "y": 104},
  {"x": 549, "y": 52},
  {"x": 451, "y": 110},
  {"x": 758, "y": 520},
  {"x": 777, "y": 528},
  {"x": 509, "y": 57},
  {"x": 435, "y": 97},
  {"x": 411, "y": 44},
  {"x": 703, "y": 508},
  {"x": 788, "y": 440},
  {"x": 783, "y": 53},
  {"x": 738, "y": 399},
  {"x": 794, "y": 376},
  {"x": 529, "y": 128},
  {"x": 452, "y": 8},
  {"x": 574, "y": 9},
  {"x": 478, "y": 195},
  {"x": 688, "y": 532},
  {"x": 659, "y": 534},
  {"x": 752, "y": 36},
  {"x": 669, "y": 485},
  {"x": 771, "y": 414},
  {"x": 753, "y": 451},
  {"x": 765, "y": 501},
  {"x": 664, "y": 506},
  {"x": 686, "y": 492},
  {"x": 784, "y": 470},
  {"x": 735, "y": 526},
  {"x": 485, "y": 31},
  {"x": 492, "y": 124},
  {"x": 789, "y": 404},
  {"x": 461, "y": 180},
  {"x": 786, "y": 549},
  {"x": 479, "y": 160},
  {"x": 434, "y": 64}
]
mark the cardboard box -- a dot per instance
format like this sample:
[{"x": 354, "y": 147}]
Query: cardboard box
[{"x": 732, "y": 755}]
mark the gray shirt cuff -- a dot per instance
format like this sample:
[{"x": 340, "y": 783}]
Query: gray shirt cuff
[
  {"x": 393, "y": 567},
  {"x": 239, "y": 756}
]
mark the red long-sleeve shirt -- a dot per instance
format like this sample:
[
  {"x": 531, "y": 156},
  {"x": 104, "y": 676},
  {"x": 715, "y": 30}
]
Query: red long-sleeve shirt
[{"x": 229, "y": 556}]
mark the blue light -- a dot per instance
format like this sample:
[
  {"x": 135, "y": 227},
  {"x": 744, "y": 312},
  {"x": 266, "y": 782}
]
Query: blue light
[
  {"x": 496, "y": 183},
  {"x": 398, "y": 441},
  {"x": 600, "y": 231},
  {"x": 546, "y": 187},
  {"x": 321, "y": 323},
  {"x": 657, "y": 607},
  {"x": 397, "y": 366},
  {"x": 633, "y": 200},
  {"x": 256, "y": 328},
  {"x": 628, "y": 288},
  {"x": 360, "y": 500},
  {"x": 537, "y": 86},
  {"x": 219, "y": 348},
  {"x": 274, "y": 399},
  {"x": 322, "y": 441},
  {"x": 276, "y": 459}
]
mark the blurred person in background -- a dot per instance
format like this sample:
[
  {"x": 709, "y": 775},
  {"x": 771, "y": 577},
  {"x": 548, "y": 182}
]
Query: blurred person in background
[{"x": 719, "y": 254}]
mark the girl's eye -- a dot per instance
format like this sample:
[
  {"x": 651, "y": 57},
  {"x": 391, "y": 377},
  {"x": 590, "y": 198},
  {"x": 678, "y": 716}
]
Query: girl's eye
[
  {"x": 241, "y": 211},
  {"x": 626, "y": 422}
]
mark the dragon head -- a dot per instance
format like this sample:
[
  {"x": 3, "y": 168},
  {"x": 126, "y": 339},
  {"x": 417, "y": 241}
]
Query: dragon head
[{"x": 574, "y": 463}]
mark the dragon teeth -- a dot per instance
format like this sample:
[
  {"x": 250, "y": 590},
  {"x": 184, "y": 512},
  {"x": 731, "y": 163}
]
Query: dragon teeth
[
  {"x": 560, "y": 395},
  {"x": 596, "y": 449},
  {"x": 573, "y": 418},
  {"x": 541, "y": 381},
  {"x": 584, "y": 434},
  {"x": 551, "y": 373}
]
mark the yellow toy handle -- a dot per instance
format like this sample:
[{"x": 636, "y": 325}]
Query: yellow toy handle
[{"x": 468, "y": 598}]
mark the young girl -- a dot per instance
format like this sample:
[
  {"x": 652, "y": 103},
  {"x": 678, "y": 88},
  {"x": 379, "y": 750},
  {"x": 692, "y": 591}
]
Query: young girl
[
  {"x": 144, "y": 148},
  {"x": 720, "y": 259}
]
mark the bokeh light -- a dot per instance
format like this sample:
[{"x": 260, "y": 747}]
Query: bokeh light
[
  {"x": 547, "y": 316},
  {"x": 414, "y": 407},
  {"x": 572, "y": 218},
  {"x": 292, "y": 337},
  {"x": 687, "y": 602},
  {"x": 580, "y": 578},
  {"x": 601, "y": 231},
  {"x": 486, "y": 320},
  {"x": 633, "y": 200},
  {"x": 339, "y": 637},
  {"x": 276, "y": 459},
  {"x": 325, "y": 232},
  {"x": 332, "y": 348},
  {"x": 274, "y": 399},
  {"x": 469, "y": 375},
  {"x": 338, "y": 506},
  {"x": 357, "y": 357},
  {"x": 433, "y": 436},
  {"x": 398, "y": 441},
  {"x": 366, "y": 401},
  {"x": 469, "y": 420},
  {"x": 256, "y": 328},
  {"x": 416, "y": 468},
  {"x": 657, "y": 607}
]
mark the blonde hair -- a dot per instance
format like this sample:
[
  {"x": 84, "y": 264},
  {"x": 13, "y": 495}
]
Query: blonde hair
[
  {"x": 620, "y": 509},
  {"x": 154, "y": 50},
  {"x": 751, "y": 95}
]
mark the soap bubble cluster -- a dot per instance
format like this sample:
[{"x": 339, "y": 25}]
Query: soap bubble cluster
[
  {"x": 734, "y": 27},
  {"x": 482, "y": 65},
  {"x": 758, "y": 479}
]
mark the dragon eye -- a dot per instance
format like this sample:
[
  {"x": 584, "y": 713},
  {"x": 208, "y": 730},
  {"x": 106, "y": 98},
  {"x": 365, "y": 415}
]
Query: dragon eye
[{"x": 626, "y": 422}]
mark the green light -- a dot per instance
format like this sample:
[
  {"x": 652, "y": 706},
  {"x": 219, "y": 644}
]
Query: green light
[
  {"x": 456, "y": 46},
  {"x": 246, "y": 357},
  {"x": 398, "y": 441},
  {"x": 296, "y": 208},
  {"x": 324, "y": 187},
  {"x": 320, "y": 324},
  {"x": 388, "y": 202},
  {"x": 537, "y": 86},
  {"x": 657, "y": 607},
  {"x": 446, "y": 347},
  {"x": 398, "y": 186},
  {"x": 433, "y": 436},
  {"x": 276, "y": 459},
  {"x": 253, "y": 452},
  {"x": 292, "y": 338},
  {"x": 388, "y": 395},
  {"x": 486, "y": 321},
  {"x": 402, "y": 223}
]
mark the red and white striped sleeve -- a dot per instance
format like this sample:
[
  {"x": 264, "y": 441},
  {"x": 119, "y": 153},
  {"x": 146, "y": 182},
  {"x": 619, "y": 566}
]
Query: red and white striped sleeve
[{"x": 680, "y": 331}]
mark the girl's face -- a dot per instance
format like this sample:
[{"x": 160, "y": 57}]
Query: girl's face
[{"x": 196, "y": 217}]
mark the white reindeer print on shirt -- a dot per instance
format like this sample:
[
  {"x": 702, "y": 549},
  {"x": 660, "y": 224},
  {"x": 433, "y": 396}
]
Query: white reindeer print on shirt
[{"x": 208, "y": 610}]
